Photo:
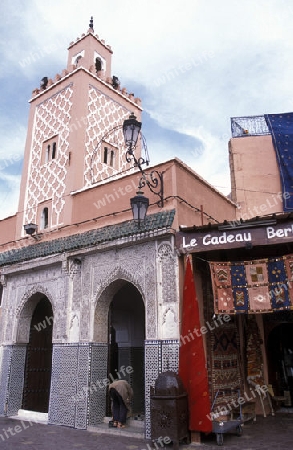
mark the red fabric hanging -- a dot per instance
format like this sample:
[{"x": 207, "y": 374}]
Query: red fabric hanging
[{"x": 192, "y": 362}]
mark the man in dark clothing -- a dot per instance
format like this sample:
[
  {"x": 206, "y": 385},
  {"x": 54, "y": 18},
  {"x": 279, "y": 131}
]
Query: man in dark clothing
[{"x": 121, "y": 394}]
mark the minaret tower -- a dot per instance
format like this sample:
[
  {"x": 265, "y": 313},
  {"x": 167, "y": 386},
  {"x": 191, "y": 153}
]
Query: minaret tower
[{"x": 69, "y": 116}]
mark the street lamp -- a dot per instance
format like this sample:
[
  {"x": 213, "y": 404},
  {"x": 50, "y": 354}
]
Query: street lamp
[
  {"x": 139, "y": 205},
  {"x": 30, "y": 228},
  {"x": 154, "y": 179},
  {"x": 131, "y": 128}
]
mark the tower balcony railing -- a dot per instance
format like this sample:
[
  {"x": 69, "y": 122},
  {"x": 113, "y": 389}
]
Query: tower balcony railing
[{"x": 249, "y": 126}]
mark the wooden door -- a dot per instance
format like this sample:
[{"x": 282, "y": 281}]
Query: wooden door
[{"x": 38, "y": 364}]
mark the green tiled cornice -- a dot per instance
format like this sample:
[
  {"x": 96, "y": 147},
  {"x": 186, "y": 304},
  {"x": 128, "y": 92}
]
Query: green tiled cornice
[{"x": 159, "y": 221}]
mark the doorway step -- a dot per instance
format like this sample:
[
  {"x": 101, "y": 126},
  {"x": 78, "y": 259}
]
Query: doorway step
[
  {"x": 284, "y": 410},
  {"x": 134, "y": 428},
  {"x": 31, "y": 416}
]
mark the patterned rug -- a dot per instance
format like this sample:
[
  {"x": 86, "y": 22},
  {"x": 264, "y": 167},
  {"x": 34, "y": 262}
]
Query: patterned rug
[
  {"x": 256, "y": 286},
  {"x": 225, "y": 369},
  {"x": 253, "y": 352}
]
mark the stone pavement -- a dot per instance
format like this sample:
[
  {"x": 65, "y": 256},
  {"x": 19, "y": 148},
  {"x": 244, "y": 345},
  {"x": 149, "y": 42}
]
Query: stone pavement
[{"x": 267, "y": 433}]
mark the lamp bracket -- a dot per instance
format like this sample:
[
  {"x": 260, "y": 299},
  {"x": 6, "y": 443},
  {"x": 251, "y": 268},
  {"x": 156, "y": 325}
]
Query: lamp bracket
[
  {"x": 137, "y": 162},
  {"x": 154, "y": 181}
]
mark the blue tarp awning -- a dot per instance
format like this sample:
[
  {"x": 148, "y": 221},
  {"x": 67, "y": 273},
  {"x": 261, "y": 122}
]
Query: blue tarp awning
[{"x": 281, "y": 128}]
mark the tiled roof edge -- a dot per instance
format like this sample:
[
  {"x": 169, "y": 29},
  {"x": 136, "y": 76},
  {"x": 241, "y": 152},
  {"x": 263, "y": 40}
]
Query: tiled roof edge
[{"x": 158, "y": 221}]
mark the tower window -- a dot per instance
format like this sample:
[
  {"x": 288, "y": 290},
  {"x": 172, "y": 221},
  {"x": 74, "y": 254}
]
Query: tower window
[
  {"x": 45, "y": 218},
  {"x": 1, "y": 293},
  {"x": 100, "y": 62},
  {"x": 105, "y": 155},
  {"x": 76, "y": 58},
  {"x": 112, "y": 158},
  {"x": 54, "y": 150},
  {"x": 49, "y": 151},
  {"x": 108, "y": 155}
]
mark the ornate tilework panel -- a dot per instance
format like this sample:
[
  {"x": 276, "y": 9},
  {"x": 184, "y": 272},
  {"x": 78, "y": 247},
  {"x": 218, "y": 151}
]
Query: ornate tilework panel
[
  {"x": 170, "y": 355},
  {"x": 153, "y": 365},
  {"x": 82, "y": 382},
  {"x": 47, "y": 180},
  {"x": 76, "y": 280},
  {"x": 4, "y": 377},
  {"x": 98, "y": 391},
  {"x": 64, "y": 384},
  {"x": 104, "y": 114},
  {"x": 16, "y": 379}
]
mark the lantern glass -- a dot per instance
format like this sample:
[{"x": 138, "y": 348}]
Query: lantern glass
[
  {"x": 131, "y": 129},
  {"x": 139, "y": 205}
]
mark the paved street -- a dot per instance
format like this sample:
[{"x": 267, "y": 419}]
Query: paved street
[{"x": 267, "y": 433}]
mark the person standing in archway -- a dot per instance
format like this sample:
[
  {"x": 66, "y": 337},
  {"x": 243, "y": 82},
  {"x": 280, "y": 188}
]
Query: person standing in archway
[{"x": 121, "y": 395}]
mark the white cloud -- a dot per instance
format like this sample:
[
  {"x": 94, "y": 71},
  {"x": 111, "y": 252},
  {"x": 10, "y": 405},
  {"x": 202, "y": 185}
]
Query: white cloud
[{"x": 12, "y": 144}]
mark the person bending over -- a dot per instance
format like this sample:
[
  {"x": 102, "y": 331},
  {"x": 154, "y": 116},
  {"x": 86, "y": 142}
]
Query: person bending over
[{"x": 121, "y": 394}]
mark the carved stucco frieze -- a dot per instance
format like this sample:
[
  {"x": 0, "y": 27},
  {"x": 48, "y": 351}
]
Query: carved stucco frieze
[
  {"x": 168, "y": 294},
  {"x": 71, "y": 265},
  {"x": 3, "y": 279},
  {"x": 167, "y": 272},
  {"x": 81, "y": 294},
  {"x": 109, "y": 271}
]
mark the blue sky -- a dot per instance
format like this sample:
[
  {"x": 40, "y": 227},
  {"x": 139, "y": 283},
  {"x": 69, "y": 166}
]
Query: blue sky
[{"x": 194, "y": 63}]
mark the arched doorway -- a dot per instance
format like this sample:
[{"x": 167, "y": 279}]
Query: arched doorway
[
  {"x": 38, "y": 364},
  {"x": 126, "y": 342},
  {"x": 280, "y": 359}
]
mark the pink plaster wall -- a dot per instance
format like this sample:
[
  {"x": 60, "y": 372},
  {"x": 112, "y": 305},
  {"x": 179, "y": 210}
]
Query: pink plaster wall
[
  {"x": 109, "y": 204},
  {"x": 256, "y": 186},
  {"x": 7, "y": 230},
  {"x": 199, "y": 194}
]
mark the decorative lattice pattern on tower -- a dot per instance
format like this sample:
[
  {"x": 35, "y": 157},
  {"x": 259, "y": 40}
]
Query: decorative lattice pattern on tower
[
  {"x": 103, "y": 115},
  {"x": 47, "y": 179}
]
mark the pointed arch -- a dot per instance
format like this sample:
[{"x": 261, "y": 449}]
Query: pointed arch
[
  {"x": 104, "y": 295},
  {"x": 25, "y": 310},
  {"x": 119, "y": 274}
]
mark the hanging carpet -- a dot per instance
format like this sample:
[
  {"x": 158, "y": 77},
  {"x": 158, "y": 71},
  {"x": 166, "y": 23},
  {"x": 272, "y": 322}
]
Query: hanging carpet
[
  {"x": 256, "y": 286},
  {"x": 225, "y": 368},
  {"x": 281, "y": 128}
]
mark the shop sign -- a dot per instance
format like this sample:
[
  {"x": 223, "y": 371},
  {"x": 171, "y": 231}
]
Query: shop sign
[{"x": 233, "y": 238}]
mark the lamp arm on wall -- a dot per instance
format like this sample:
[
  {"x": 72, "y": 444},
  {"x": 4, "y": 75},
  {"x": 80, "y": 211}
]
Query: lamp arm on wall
[{"x": 154, "y": 181}]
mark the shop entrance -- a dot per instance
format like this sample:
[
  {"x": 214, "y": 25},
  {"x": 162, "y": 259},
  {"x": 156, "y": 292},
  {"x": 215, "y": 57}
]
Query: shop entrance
[
  {"x": 38, "y": 365},
  {"x": 280, "y": 359},
  {"x": 126, "y": 342}
]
